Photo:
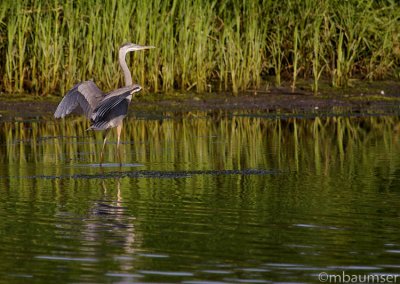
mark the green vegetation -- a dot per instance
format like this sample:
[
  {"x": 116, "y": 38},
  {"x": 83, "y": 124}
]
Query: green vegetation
[{"x": 47, "y": 46}]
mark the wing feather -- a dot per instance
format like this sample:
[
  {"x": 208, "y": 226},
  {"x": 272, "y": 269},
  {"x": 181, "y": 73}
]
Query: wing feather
[
  {"x": 112, "y": 100},
  {"x": 85, "y": 95}
]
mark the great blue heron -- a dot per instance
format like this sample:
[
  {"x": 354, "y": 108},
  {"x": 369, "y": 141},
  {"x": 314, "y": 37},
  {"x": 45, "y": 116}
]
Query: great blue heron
[{"x": 105, "y": 110}]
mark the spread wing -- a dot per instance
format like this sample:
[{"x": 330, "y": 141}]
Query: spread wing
[
  {"x": 84, "y": 96},
  {"x": 111, "y": 103}
]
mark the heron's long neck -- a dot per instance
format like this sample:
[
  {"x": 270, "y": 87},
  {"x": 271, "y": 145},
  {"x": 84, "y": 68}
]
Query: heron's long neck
[{"x": 125, "y": 69}]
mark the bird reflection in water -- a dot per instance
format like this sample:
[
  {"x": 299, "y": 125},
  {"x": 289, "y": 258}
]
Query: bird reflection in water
[{"x": 110, "y": 227}]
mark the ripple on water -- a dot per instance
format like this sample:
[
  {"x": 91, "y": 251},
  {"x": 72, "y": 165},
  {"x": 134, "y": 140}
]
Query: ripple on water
[
  {"x": 63, "y": 258},
  {"x": 215, "y": 271},
  {"x": 166, "y": 273},
  {"x": 16, "y": 275},
  {"x": 153, "y": 255},
  {"x": 203, "y": 282},
  {"x": 354, "y": 267},
  {"x": 124, "y": 275}
]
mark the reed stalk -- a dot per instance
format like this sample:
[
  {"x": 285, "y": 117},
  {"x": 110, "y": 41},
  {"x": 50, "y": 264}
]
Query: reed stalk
[{"x": 316, "y": 62}]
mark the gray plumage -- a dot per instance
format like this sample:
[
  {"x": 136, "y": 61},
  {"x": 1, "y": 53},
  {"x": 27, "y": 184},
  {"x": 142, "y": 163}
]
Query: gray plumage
[{"x": 105, "y": 110}]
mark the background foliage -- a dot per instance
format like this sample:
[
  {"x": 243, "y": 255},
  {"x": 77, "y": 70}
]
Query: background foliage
[{"x": 47, "y": 46}]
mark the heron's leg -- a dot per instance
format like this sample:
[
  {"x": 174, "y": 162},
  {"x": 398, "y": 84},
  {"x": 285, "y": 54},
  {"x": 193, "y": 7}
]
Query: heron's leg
[
  {"x": 102, "y": 149},
  {"x": 119, "y": 129}
]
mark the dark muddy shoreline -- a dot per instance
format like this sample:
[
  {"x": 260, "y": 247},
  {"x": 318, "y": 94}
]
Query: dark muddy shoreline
[{"x": 382, "y": 98}]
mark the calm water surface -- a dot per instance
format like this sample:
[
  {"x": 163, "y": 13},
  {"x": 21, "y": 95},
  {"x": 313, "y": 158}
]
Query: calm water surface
[{"x": 200, "y": 197}]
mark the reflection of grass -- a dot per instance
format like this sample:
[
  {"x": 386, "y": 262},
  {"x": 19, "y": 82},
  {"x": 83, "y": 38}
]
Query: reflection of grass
[
  {"x": 49, "y": 45},
  {"x": 203, "y": 143}
]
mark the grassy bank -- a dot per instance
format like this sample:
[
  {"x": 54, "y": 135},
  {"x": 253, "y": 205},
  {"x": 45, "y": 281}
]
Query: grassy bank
[{"x": 47, "y": 46}]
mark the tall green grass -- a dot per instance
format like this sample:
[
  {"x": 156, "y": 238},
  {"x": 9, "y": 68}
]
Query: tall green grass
[{"x": 47, "y": 46}]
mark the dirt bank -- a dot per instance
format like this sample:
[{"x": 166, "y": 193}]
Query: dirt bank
[{"x": 383, "y": 97}]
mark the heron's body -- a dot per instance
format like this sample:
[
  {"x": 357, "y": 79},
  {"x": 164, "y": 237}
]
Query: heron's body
[{"x": 105, "y": 110}]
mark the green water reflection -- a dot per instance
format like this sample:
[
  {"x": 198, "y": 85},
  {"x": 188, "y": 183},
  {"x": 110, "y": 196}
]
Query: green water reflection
[{"x": 325, "y": 198}]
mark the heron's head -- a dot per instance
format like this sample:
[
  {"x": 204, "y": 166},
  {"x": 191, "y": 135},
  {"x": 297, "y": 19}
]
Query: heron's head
[{"x": 127, "y": 47}]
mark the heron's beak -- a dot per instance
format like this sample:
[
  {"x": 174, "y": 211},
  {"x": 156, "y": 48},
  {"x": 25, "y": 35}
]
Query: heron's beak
[{"x": 137, "y": 47}]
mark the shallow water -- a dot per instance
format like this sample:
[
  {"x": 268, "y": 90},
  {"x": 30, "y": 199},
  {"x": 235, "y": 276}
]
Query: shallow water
[{"x": 200, "y": 197}]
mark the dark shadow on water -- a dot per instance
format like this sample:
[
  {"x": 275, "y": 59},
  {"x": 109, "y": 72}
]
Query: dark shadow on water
[
  {"x": 151, "y": 174},
  {"x": 108, "y": 165}
]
